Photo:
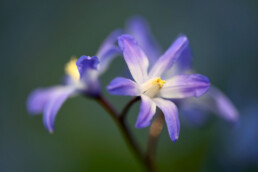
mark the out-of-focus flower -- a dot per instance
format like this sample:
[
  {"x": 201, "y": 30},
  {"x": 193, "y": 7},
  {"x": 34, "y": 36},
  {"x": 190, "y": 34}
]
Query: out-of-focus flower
[
  {"x": 237, "y": 149},
  {"x": 194, "y": 108},
  {"x": 82, "y": 78},
  {"x": 241, "y": 143},
  {"x": 153, "y": 90}
]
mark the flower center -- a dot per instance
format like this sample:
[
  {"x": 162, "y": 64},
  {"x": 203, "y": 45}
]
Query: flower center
[
  {"x": 71, "y": 69},
  {"x": 152, "y": 86}
]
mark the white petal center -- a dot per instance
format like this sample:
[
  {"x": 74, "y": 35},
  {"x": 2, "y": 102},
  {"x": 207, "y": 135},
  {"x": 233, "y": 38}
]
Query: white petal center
[{"x": 152, "y": 87}]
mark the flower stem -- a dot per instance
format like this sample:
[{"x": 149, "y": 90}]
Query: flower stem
[
  {"x": 125, "y": 130},
  {"x": 128, "y": 106},
  {"x": 154, "y": 133}
]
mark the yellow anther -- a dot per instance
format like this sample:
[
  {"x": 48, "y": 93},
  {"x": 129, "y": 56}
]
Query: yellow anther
[
  {"x": 159, "y": 81},
  {"x": 152, "y": 86},
  {"x": 71, "y": 69}
]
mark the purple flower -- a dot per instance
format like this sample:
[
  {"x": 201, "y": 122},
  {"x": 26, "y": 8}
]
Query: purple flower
[
  {"x": 194, "y": 108},
  {"x": 153, "y": 90},
  {"x": 82, "y": 78},
  {"x": 213, "y": 101}
]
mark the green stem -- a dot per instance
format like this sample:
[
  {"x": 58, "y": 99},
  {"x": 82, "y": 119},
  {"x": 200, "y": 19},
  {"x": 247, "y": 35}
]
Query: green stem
[
  {"x": 154, "y": 133},
  {"x": 119, "y": 119},
  {"x": 128, "y": 106}
]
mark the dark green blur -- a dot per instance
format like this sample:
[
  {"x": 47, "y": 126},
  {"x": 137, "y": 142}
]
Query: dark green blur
[{"x": 37, "y": 39}]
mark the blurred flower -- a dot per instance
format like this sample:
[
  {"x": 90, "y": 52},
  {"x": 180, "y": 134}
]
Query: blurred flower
[
  {"x": 237, "y": 148},
  {"x": 153, "y": 90},
  {"x": 241, "y": 143},
  {"x": 82, "y": 78},
  {"x": 194, "y": 109}
]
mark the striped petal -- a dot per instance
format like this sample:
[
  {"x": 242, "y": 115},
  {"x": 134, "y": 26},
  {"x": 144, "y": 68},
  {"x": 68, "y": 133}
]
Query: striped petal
[
  {"x": 108, "y": 43},
  {"x": 123, "y": 86},
  {"x": 182, "y": 86},
  {"x": 139, "y": 28},
  {"x": 166, "y": 61},
  {"x": 147, "y": 111},
  {"x": 222, "y": 105},
  {"x": 108, "y": 50},
  {"x": 54, "y": 104},
  {"x": 38, "y": 99},
  {"x": 170, "y": 112},
  {"x": 135, "y": 58},
  {"x": 183, "y": 65}
]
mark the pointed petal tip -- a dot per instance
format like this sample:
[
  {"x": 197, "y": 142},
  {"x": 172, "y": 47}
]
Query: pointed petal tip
[
  {"x": 125, "y": 38},
  {"x": 183, "y": 36},
  {"x": 182, "y": 39},
  {"x": 174, "y": 139},
  {"x": 54, "y": 104},
  {"x": 49, "y": 127},
  {"x": 231, "y": 116}
]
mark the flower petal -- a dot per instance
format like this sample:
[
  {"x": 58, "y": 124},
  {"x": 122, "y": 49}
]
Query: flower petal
[
  {"x": 170, "y": 112},
  {"x": 213, "y": 101},
  {"x": 166, "y": 61},
  {"x": 219, "y": 104},
  {"x": 38, "y": 99},
  {"x": 53, "y": 105},
  {"x": 88, "y": 69},
  {"x": 225, "y": 107},
  {"x": 182, "y": 86},
  {"x": 183, "y": 64},
  {"x": 191, "y": 113},
  {"x": 139, "y": 28},
  {"x": 108, "y": 50},
  {"x": 147, "y": 111},
  {"x": 85, "y": 63},
  {"x": 107, "y": 58},
  {"x": 123, "y": 86},
  {"x": 135, "y": 58},
  {"x": 108, "y": 43}
]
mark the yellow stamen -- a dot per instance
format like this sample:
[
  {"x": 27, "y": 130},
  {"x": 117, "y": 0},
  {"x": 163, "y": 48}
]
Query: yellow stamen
[
  {"x": 71, "y": 69},
  {"x": 152, "y": 87},
  {"x": 159, "y": 81}
]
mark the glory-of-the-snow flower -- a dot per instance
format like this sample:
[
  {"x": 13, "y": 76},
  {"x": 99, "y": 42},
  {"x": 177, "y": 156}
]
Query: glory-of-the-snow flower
[
  {"x": 82, "y": 78},
  {"x": 195, "y": 109},
  {"x": 154, "y": 86}
]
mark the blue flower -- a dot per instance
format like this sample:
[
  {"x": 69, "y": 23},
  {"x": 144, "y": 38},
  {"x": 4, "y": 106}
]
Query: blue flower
[
  {"x": 195, "y": 109},
  {"x": 82, "y": 78},
  {"x": 154, "y": 86}
]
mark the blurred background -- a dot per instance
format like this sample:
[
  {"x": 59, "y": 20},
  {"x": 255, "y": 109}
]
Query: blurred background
[{"x": 39, "y": 37}]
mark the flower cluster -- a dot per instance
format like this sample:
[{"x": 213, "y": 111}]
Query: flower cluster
[{"x": 164, "y": 80}]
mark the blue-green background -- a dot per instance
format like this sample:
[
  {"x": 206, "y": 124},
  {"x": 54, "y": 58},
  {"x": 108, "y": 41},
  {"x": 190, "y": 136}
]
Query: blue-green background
[{"x": 38, "y": 37}]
